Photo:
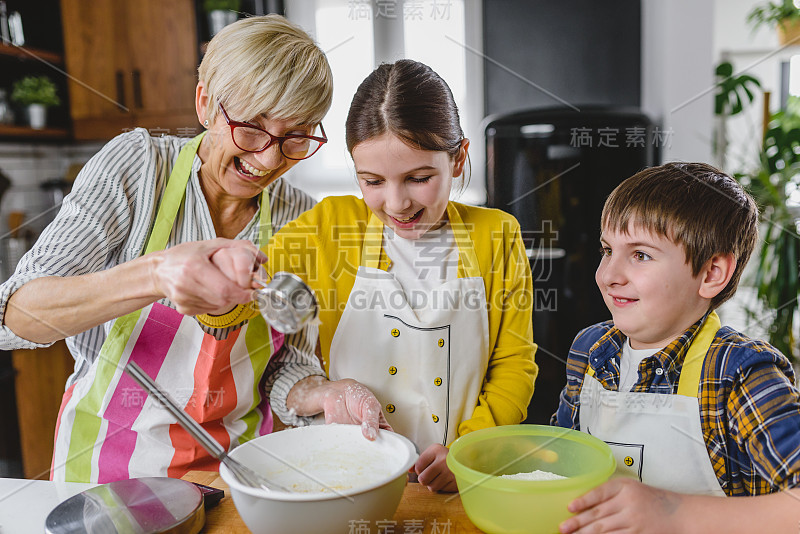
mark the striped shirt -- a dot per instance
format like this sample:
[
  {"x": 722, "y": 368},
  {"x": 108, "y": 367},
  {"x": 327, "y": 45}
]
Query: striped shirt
[
  {"x": 749, "y": 406},
  {"x": 105, "y": 221}
]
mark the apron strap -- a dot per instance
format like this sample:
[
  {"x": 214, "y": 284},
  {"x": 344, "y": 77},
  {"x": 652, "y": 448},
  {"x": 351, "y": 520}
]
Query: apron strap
[
  {"x": 373, "y": 242},
  {"x": 693, "y": 361},
  {"x": 173, "y": 196},
  {"x": 689, "y": 380},
  {"x": 264, "y": 221},
  {"x": 467, "y": 259}
]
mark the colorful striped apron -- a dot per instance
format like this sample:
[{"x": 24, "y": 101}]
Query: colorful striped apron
[{"x": 108, "y": 429}]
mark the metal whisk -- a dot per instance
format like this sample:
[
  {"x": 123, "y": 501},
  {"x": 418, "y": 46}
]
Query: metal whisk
[{"x": 243, "y": 474}]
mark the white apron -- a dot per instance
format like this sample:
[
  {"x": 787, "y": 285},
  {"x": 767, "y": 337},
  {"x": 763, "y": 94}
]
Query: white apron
[
  {"x": 425, "y": 366},
  {"x": 656, "y": 438},
  {"x": 109, "y": 429}
]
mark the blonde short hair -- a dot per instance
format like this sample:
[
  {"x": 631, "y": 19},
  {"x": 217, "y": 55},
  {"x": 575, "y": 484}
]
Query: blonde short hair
[{"x": 266, "y": 65}]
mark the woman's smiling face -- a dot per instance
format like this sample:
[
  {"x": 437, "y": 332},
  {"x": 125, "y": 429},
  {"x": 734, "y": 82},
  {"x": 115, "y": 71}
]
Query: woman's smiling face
[
  {"x": 242, "y": 174},
  {"x": 406, "y": 188},
  {"x": 230, "y": 172}
]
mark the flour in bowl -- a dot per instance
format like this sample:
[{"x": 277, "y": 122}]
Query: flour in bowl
[{"x": 534, "y": 475}]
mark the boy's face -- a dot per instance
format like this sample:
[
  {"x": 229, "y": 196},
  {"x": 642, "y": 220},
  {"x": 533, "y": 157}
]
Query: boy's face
[{"x": 648, "y": 286}]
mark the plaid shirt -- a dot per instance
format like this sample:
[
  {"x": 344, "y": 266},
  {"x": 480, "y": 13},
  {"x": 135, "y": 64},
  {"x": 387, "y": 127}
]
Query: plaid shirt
[{"x": 749, "y": 407}]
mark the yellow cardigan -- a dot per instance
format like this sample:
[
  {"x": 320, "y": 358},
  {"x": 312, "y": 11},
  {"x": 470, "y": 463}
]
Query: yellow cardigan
[{"x": 324, "y": 245}]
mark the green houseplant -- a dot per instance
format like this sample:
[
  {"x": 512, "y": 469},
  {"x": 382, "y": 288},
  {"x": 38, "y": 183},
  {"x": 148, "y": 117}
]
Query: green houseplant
[
  {"x": 221, "y": 5},
  {"x": 36, "y": 93},
  {"x": 784, "y": 15},
  {"x": 775, "y": 185},
  {"x": 220, "y": 13},
  {"x": 734, "y": 93}
]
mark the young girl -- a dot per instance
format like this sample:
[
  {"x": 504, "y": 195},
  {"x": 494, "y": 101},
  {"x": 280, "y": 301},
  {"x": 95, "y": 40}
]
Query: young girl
[{"x": 425, "y": 301}]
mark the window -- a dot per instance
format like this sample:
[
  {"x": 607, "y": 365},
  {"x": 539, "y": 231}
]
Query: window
[{"x": 358, "y": 35}]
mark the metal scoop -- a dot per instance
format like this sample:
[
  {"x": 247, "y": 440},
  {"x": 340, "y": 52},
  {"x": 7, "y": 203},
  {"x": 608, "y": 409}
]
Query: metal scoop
[
  {"x": 243, "y": 474},
  {"x": 285, "y": 301}
]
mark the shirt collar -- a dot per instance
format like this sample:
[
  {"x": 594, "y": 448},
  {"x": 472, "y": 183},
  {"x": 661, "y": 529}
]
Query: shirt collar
[{"x": 670, "y": 358}]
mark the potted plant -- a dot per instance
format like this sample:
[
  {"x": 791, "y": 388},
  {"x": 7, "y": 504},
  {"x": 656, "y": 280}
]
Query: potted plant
[
  {"x": 220, "y": 13},
  {"x": 36, "y": 93},
  {"x": 785, "y": 15},
  {"x": 773, "y": 185}
]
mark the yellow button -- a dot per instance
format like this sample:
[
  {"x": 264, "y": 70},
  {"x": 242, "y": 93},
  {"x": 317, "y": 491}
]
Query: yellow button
[
  {"x": 628, "y": 461},
  {"x": 441, "y": 342},
  {"x": 392, "y": 370},
  {"x": 390, "y": 408},
  {"x": 437, "y": 381},
  {"x": 435, "y": 418},
  {"x": 395, "y": 332}
]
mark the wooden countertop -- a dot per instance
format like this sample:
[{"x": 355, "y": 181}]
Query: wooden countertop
[{"x": 420, "y": 511}]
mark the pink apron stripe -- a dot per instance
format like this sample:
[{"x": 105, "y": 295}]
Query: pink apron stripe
[
  {"x": 277, "y": 341},
  {"x": 127, "y": 400},
  {"x": 146, "y": 507},
  {"x": 115, "y": 454},
  {"x": 267, "y": 423},
  {"x": 266, "y": 419}
]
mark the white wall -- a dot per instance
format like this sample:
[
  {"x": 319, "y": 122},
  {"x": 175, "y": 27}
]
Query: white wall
[
  {"x": 678, "y": 75},
  {"x": 356, "y": 42},
  {"x": 754, "y": 52}
]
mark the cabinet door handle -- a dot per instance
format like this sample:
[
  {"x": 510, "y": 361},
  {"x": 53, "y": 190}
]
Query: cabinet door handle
[
  {"x": 120, "y": 79},
  {"x": 137, "y": 88}
]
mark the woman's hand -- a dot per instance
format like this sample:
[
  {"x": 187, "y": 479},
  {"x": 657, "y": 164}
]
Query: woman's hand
[
  {"x": 432, "y": 470},
  {"x": 206, "y": 276},
  {"x": 238, "y": 264},
  {"x": 625, "y": 505}
]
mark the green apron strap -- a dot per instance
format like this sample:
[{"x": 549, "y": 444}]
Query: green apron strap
[
  {"x": 264, "y": 221},
  {"x": 176, "y": 190},
  {"x": 173, "y": 196}
]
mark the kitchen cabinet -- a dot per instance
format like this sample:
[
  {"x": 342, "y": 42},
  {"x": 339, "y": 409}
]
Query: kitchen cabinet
[
  {"x": 130, "y": 64},
  {"x": 19, "y": 61},
  {"x": 40, "y": 378}
]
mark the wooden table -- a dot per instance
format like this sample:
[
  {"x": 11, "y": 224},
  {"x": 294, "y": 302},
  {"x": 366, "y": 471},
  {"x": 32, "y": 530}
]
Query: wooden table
[{"x": 420, "y": 512}]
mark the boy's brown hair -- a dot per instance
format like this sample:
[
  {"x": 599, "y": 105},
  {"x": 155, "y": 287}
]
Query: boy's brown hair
[{"x": 692, "y": 204}]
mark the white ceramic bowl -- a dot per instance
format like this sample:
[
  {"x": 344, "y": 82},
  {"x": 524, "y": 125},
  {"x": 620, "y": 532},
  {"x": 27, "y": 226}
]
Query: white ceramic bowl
[{"x": 340, "y": 479}]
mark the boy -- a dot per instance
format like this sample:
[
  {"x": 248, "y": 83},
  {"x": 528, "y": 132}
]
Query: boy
[{"x": 691, "y": 410}]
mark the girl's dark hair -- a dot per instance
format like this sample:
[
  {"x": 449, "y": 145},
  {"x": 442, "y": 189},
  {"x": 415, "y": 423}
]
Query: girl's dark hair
[{"x": 408, "y": 99}]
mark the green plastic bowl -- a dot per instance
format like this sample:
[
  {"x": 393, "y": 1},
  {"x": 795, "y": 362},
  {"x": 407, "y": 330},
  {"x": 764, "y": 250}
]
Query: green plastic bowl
[{"x": 504, "y": 506}]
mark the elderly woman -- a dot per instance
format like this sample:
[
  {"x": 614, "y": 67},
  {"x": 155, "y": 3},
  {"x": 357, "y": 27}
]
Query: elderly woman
[{"x": 150, "y": 260}]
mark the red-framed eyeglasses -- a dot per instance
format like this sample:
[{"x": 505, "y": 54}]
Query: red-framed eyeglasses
[{"x": 251, "y": 138}]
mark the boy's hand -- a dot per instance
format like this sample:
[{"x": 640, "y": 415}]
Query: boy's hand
[
  {"x": 625, "y": 505},
  {"x": 432, "y": 470}
]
